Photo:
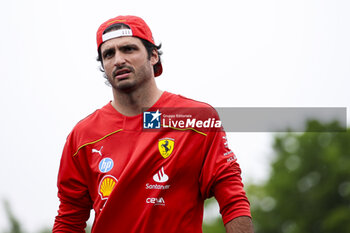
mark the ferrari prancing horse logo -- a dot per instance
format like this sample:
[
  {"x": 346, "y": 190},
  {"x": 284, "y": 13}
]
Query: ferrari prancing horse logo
[{"x": 166, "y": 146}]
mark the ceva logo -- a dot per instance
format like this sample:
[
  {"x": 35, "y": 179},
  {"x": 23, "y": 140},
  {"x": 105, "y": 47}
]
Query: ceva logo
[{"x": 155, "y": 201}]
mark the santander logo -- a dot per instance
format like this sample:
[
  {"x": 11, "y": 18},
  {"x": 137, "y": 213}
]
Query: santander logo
[{"x": 161, "y": 177}]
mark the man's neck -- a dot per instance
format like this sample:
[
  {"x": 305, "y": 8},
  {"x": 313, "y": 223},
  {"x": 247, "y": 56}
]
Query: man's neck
[{"x": 133, "y": 103}]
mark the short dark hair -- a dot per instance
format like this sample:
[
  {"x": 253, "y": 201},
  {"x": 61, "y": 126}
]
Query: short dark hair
[{"x": 148, "y": 45}]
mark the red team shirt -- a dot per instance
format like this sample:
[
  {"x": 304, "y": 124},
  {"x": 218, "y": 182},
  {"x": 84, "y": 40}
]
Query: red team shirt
[{"x": 139, "y": 181}]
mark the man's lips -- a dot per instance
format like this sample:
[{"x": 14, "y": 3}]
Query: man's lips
[{"x": 122, "y": 73}]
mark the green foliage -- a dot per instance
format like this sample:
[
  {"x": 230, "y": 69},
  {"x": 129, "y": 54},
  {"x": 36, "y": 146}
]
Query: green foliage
[
  {"x": 309, "y": 185},
  {"x": 216, "y": 225},
  {"x": 15, "y": 226}
]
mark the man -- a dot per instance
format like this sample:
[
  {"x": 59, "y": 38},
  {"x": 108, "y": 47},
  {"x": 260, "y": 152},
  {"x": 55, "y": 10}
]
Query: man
[{"x": 138, "y": 180}]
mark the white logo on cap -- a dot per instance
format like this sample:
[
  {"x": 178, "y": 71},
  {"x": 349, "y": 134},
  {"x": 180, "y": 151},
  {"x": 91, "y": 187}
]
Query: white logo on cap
[{"x": 116, "y": 34}]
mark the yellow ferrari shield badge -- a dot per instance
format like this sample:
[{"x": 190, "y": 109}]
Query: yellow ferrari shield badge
[{"x": 166, "y": 147}]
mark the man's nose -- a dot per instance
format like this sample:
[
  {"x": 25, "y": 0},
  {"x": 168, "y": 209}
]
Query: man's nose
[{"x": 119, "y": 59}]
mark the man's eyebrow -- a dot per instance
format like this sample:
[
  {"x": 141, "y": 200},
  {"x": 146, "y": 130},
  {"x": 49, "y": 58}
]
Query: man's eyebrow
[
  {"x": 107, "y": 50},
  {"x": 128, "y": 45},
  {"x": 122, "y": 46}
]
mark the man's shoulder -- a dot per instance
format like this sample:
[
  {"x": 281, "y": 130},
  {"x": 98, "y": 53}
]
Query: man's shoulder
[
  {"x": 91, "y": 119},
  {"x": 182, "y": 101},
  {"x": 96, "y": 124},
  {"x": 188, "y": 106}
]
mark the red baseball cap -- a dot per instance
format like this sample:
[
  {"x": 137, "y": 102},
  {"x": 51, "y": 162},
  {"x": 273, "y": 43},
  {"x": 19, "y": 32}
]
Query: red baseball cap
[{"x": 138, "y": 28}]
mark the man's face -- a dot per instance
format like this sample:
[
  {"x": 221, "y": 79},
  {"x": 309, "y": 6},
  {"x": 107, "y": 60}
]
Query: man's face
[{"x": 126, "y": 64}]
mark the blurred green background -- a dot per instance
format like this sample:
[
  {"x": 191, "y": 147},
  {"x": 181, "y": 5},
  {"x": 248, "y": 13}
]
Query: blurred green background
[{"x": 307, "y": 190}]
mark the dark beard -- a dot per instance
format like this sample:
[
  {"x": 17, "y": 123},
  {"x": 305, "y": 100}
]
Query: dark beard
[{"x": 128, "y": 86}]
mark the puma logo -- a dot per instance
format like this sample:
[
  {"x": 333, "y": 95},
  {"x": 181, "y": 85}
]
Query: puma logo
[{"x": 97, "y": 151}]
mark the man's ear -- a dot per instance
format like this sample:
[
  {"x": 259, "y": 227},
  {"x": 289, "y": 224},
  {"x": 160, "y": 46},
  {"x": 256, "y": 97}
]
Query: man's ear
[{"x": 154, "y": 57}]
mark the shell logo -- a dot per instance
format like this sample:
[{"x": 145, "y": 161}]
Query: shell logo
[{"x": 106, "y": 186}]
